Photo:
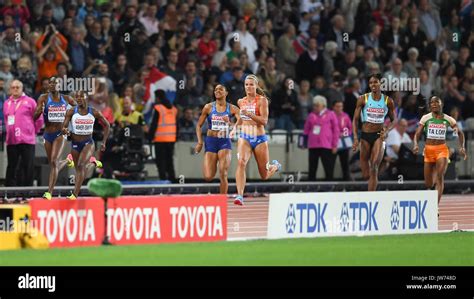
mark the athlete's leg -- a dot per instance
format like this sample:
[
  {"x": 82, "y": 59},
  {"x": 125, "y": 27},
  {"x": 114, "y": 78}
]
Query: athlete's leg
[
  {"x": 364, "y": 159},
  {"x": 244, "y": 152},
  {"x": 209, "y": 166},
  {"x": 263, "y": 158},
  {"x": 429, "y": 171},
  {"x": 376, "y": 158},
  {"x": 441, "y": 167},
  {"x": 225, "y": 156},
  {"x": 81, "y": 160},
  {"x": 56, "y": 150}
]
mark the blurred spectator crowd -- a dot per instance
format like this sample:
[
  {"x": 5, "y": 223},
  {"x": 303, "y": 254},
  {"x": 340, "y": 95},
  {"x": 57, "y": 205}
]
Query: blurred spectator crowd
[{"x": 299, "y": 50}]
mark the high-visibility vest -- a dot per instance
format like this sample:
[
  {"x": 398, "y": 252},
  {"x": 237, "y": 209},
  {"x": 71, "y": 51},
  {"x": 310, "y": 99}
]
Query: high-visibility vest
[{"x": 166, "y": 129}]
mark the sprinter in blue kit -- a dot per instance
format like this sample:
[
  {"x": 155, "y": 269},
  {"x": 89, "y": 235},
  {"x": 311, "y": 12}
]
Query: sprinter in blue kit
[
  {"x": 372, "y": 107},
  {"x": 53, "y": 105},
  {"x": 217, "y": 143}
]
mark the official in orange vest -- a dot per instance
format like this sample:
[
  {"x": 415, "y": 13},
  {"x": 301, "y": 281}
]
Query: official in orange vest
[{"x": 163, "y": 132}]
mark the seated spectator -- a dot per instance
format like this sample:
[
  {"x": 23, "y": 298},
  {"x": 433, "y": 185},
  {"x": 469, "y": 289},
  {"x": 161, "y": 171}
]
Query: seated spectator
[
  {"x": 396, "y": 137},
  {"x": 270, "y": 75},
  {"x": 285, "y": 106},
  {"x": 5, "y": 71},
  {"x": 187, "y": 126},
  {"x": 19, "y": 12},
  {"x": 9, "y": 46},
  {"x": 235, "y": 49},
  {"x": 26, "y": 75},
  {"x": 235, "y": 87}
]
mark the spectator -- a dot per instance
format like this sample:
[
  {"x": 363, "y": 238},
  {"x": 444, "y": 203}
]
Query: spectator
[
  {"x": 3, "y": 99},
  {"x": 430, "y": 21},
  {"x": 371, "y": 39},
  {"x": 468, "y": 105},
  {"x": 228, "y": 75},
  {"x": 58, "y": 10},
  {"x": 78, "y": 52},
  {"x": 305, "y": 103},
  {"x": 25, "y": 74},
  {"x": 96, "y": 42},
  {"x": 128, "y": 24},
  {"x": 344, "y": 144},
  {"x": 247, "y": 40},
  {"x": 395, "y": 71},
  {"x": 264, "y": 44},
  {"x": 19, "y": 12},
  {"x": 10, "y": 48},
  {"x": 130, "y": 116},
  {"x": 21, "y": 130},
  {"x": 391, "y": 40},
  {"x": 395, "y": 138},
  {"x": 310, "y": 63},
  {"x": 261, "y": 58},
  {"x": 285, "y": 106},
  {"x": 121, "y": 74},
  {"x": 190, "y": 52},
  {"x": 270, "y": 75},
  {"x": 244, "y": 62},
  {"x": 462, "y": 62},
  {"x": 323, "y": 132},
  {"x": 286, "y": 56},
  {"x": 381, "y": 15},
  {"x": 410, "y": 113},
  {"x": 309, "y": 12},
  {"x": 351, "y": 94},
  {"x": 456, "y": 114},
  {"x": 149, "y": 20},
  {"x": 5, "y": 71},
  {"x": 336, "y": 31},
  {"x": 207, "y": 48},
  {"x": 349, "y": 61},
  {"x": 235, "y": 87},
  {"x": 87, "y": 9},
  {"x": 163, "y": 133},
  {"x": 235, "y": 49},
  {"x": 412, "y": 65},
  {"x": 187, "y": 126},
  {"x": 193, "y": 82},
  {"x": 453, "y": 97},
  {"x": 414, "y": 38},
  {"x": 426, "y": 88},
  {"x": 330, "y": 55},
  {"x": 46, "y": 18},
  {"x": 200, "y": 20},
  {"x": 171, "y": 68}
]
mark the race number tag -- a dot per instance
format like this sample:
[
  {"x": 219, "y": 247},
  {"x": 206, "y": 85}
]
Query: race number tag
[
  {"x": 11, "y": 120},
  {"x": 436, "y": 131},
  {"x": 316, "y": 130},
  {"x": 218, "y": 123},
  {"x": 56, "y": 114}
]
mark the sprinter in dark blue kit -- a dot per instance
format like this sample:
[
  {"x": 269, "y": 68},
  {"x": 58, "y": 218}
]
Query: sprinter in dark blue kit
[
  {"x": 217, "y": 142},
  {"x": 53, "y": 105},
  {"x": 82, "y": 120}
]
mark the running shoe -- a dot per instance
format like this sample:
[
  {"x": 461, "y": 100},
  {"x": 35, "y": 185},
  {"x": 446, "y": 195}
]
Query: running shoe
[
  {"x": 70, "y": 161},
  {"x": 239, "y": 200},
  {"x": 98, "y": 164},
  {"x": 47, "y": 196},
  {"x": 72, "y": 196},
  {"x": 278, "y": 165}
]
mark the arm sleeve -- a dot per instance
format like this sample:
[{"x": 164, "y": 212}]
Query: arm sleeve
[
  {"x": 336, "y": 130},
  {"x": 153, "y": 125},
  {"x": 424, "y": 119}
]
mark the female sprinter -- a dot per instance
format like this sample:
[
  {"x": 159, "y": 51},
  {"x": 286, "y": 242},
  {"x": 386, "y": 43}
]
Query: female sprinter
[
  {"x": 372, "y": 107},
  {"x": 252, "y": 139},
  {"x": 435, "y": 125},
  {"x": 53, "y": 105},
  {"x": 218, "y": 143},
  {"x": 82, "y": 120}
]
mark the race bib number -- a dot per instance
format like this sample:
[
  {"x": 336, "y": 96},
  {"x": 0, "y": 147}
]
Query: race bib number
[
  {"x": 436, "y": 131},
  {"x": 11, "y": 120},
  {"x": 375, "y": 115},
  {"x": 218, "y": 124},
  {"x": 251, "y": 109},
  {"x": 83, "y": 126},
  {"x": 56, "y": 114},
  {"x": 316, "y": 130}
]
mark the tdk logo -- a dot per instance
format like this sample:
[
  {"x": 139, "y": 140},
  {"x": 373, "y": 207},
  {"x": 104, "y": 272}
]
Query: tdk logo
[
  {"x": 413, "y": 219},
  {"x": 306, "y": 218},
  {"x": 360, "y": 213}
]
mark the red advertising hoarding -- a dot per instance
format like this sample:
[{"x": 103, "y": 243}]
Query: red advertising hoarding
[
  {"x": 131, "y": 219},
  {"x": 67, "y": 223},
  {"x": 157, "y": 219}
]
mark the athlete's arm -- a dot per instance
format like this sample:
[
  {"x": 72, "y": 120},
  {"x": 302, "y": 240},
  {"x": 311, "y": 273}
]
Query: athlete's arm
[
  {"x": 263, "y": 118},
  {"x": 360, "y": 104},
  {"x": 70, "y": 100},
  {"x": 391, "y": 115},
  {"x": 204, "y": 113},
  {"x": 235, "y": 111},
  {"x": 105, "y": 124},
  {"x": 238, "y": 122},
  {"x": 40, "y": 106},
  {"x": 418, "y": 133},
  {"x": 67, "y": 119},
  {"x": 462, "y": 149}
]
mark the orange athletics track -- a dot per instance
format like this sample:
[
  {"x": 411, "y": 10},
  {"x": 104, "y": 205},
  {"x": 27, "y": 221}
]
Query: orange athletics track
[{"x": 250, "y": 221}]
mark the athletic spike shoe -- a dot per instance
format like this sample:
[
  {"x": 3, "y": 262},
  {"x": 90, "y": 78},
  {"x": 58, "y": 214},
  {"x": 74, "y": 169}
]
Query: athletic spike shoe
[
  {"x": 275, "y": 162},
  {"x": 72, "y": 197},
  {"x": 70, "y": 161},
  {"x": 47, "y": 196},
  {"x": 98, "y": 164},
  {"x": 239, "y": 200}
]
